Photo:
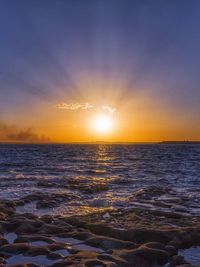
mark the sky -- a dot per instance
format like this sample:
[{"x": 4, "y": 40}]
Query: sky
[{"x": 99, "y": 70}]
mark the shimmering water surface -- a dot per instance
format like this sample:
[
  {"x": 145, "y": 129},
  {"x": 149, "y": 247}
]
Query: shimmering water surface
[{"x": 124, "y": 170}]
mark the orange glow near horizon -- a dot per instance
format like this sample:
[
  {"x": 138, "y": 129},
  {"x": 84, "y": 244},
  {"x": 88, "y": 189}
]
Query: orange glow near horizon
[{"x": 108, "y": 115}]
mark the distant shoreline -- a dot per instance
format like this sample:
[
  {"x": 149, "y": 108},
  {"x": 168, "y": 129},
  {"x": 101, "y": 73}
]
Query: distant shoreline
[
  {"x": 104, "y": 143},
  {"x": 181, "y": 142}
]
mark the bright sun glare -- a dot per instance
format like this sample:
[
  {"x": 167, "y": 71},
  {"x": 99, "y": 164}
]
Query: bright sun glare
[{"x": 103, "y": 124}]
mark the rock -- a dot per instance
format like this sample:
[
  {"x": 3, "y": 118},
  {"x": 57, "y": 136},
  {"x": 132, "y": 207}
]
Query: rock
[
  {"x": 137, "y": 237},
  {"x": 94, "y": 263},
  {"x": 154, "y": 245},
  {"x": 51, "y": 229},
  {"x": 186, "y": 241},
  {"x": 7, "y": 208},
  {"x": 54, "y": 256},
  {"x": 3, "y": 241},
  {"x": 55, "y": 246},
  {"x": 185, "y": 265},
  {"x": 27, "y": 228},
  {"x": 178, "y": 260},
  {"x": 2, "y": 260},
  {"x": 61, "y": 223},
  {"x": 47, "y": 219},
  {"x": 68, "y": 262},
  {"x": 21, "y": 265},
  {"x": 171, "y": 250},
  {"x": 175, "y": 242},
  {"x": 144, "y": 256},
  {"x": 106, "y": 257},
  {"x": 15, "y": 248},
  {"x": 110, "y": 243},
  {"x": 38, "y": 250}
]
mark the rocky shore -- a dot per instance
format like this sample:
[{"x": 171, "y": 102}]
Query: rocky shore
[{"x": 134, "y": 237}]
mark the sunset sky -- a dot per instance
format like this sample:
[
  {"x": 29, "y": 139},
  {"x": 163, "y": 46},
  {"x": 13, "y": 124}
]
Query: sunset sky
[{"x": 99, "y": 70}]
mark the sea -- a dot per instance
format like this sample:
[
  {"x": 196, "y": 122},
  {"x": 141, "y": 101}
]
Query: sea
[{"x": 99, "y": 176}]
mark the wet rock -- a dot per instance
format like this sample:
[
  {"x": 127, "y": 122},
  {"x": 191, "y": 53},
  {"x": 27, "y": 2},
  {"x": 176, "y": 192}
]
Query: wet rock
[
  {"x": 16, "y": 248},
  {"x": 3, "y": 216},
  {"x": 47, "y": 219},
  {"x": 94, "y": 263},
  {"x": 55, "y": 246},
  {"x": 17, "y": 219},
  {"x": 51, "y": 229},
  {"x": 175, "y": 242},
  {"x": 61, "y": 223},
  {"x": 145, "y": 240},
  {"x": 3, "y": 241},
  {"x": 67, "y": 262},
  {"x": 106, "y": 257},
  {"x": 110, "y": 243},
  {"x": 171, "y": 250},
  {"x": 2, "y": 261},
  {"x": 144, "y": 255},
  {"x": 39, "y": 250},
  {"x": 7, "y": 208},
  {"x": 186, "y": 241},
  {"x": 28, "y": 227},
  {"x": 54, "y": 256},
  {"x": 112, "y": 264},
  {"x": 178, "y": 260},
  {"x": 135, "y": 235},
  {"x": 155, "y": 245},
  {"x": 20, "y": 265}
]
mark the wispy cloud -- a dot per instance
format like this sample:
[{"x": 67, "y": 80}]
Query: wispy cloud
[
  {"x": 84, "y": 105},
  {"x": 74, "y": 106},
  {"x": 110, "y": 110},
  {"x": 10, "y": 133}
]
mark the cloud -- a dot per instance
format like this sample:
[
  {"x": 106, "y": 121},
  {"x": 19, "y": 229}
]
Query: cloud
[
  {"x": 85, "y": 105},
  {"x": 110, "y": 110},
  {"x": 10, "y": 133},
  {"x": 74, "y": 106}
]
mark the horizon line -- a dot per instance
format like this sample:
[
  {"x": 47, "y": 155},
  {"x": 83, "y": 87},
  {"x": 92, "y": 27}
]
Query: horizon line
[{"x": 101, "y": 142}]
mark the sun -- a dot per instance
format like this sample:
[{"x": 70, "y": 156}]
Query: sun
[{"x": 103, "y": 124}]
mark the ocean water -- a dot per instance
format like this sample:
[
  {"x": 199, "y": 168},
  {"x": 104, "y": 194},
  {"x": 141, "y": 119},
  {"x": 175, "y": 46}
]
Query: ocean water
[{"x": 102, "y": 176}]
